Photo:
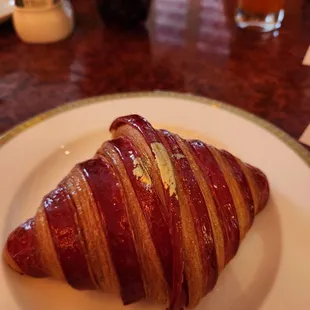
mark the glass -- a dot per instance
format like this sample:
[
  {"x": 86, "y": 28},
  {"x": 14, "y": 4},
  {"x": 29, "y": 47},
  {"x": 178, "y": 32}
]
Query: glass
[
  {"x": 126, "y": 13},
  {"x": 264, "y": 15}
]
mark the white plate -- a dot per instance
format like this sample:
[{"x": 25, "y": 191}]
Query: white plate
[
  {"x": 6, "y": 9},
  {"x": 271, "y": 270}
]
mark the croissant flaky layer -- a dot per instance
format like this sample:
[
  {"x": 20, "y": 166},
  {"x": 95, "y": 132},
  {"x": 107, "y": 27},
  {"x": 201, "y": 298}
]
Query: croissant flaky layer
[{"x": 151, "y": 215}]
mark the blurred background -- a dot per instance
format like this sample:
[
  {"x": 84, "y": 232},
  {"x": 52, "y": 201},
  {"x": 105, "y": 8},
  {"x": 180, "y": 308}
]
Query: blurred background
[{"x": 190, "y": 46}]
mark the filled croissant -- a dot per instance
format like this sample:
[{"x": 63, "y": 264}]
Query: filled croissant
[{"x": 151, "y": 215}]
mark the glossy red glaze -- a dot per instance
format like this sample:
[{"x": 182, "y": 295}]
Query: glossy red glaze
[
  {"x": 197, "y": 206},
  {"x": 243, "y": 183},
  {"x": 111, "y": 204},
  {"x": 263, "y": 186},
  {"x": 178, "y": 295},
  {"x": 150, "y": 205},
  {"x": 139, "y": 123},
  {"x": 221, "y": 195},
  {"x": 59, "y": 210},
  {"x": 21, "y": 246}
]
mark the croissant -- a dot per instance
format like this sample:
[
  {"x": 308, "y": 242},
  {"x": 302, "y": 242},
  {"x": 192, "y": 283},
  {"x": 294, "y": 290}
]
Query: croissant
[{"x": 151, "y": 215}]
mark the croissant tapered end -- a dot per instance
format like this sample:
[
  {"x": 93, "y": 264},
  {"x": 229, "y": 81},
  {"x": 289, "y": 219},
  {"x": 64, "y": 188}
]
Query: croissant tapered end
[
  {"x": 7, "y": 257},
  {"x": 262, "y": 185},
  {"x": 151, "y": 215},
  {"x": 21, "y": 251}
]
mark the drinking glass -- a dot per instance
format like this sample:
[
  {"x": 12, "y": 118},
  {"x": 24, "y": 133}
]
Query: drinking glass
[{"x": 263, "y": 15}]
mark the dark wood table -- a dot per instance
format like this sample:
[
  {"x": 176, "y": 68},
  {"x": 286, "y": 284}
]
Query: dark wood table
[{"x": 188, "y": 46}]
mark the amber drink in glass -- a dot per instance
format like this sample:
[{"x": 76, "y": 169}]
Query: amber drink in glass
[{"x": 263, "y": 15}]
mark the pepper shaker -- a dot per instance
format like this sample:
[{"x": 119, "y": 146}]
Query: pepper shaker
[{"x": 125, "y": 13}]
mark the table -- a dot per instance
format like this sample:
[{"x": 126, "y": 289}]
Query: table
[{"x": 189, "y": 46}]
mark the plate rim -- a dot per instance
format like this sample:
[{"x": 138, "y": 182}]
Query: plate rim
[{"x": 290, "y": 142}]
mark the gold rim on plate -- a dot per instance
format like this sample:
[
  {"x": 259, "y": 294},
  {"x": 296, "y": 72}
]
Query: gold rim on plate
[{"x": 284, "y": 137}]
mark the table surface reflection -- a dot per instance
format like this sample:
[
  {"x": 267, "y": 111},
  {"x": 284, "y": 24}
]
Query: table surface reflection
[{"x": 189, "y": 46}]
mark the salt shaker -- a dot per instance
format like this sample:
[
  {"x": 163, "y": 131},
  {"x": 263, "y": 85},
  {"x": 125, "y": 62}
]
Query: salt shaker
[{"x": 43, "y": 21}]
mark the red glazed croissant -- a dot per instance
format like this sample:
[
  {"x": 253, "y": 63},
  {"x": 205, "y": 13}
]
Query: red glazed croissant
[{"x": 151, "y": 215}]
